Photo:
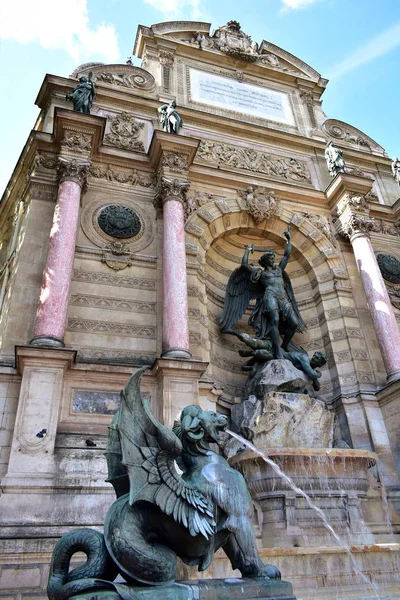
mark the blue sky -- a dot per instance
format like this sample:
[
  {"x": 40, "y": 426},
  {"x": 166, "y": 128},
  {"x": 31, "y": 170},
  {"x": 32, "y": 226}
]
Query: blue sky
[{"x": 354, "y": 43}]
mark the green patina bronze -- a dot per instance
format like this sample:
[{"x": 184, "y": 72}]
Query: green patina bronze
[{"x": 159, "y": 514}]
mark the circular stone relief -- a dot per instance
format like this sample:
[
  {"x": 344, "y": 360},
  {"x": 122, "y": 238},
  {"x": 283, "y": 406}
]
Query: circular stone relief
[
  {"x": 128, "y": 221},
  {"x": 119, "y": 221},
  {"x": 390, "y": 267}
]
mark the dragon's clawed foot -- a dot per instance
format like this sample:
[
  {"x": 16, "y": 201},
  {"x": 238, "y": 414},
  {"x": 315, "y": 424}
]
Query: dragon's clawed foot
[{"x": 271, "y": 572}]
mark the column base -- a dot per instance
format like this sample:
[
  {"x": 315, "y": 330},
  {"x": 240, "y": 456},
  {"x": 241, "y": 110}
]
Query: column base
[
  {"x": 395, "y": 376},
  {"x": 46, "y": 341},
  {"x": 179, "y": 353}
]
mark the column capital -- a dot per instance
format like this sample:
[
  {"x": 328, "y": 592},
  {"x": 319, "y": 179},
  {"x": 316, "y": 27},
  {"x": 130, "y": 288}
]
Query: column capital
[
  {"x": 351, "y": 215},
  {"x": 170, "y": 189},
  {"x": 73, "y": 169}
]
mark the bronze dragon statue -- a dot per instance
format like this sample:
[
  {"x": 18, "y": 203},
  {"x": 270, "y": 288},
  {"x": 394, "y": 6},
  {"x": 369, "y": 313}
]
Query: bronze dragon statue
[{"x": 175, "y": 498}]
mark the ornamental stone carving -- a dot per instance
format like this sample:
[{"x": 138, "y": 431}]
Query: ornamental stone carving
[
  {"x": 307, "y": 97},
  {"x": 230, "y": 40},
  {"x": 71, "y": 169},
  {"x": 261, "y": 203},
  {"x": 124, "y": 132},
  {"x": 134, "y": 178},
  {"x": 129, "y": 222},
  {"x": 321, "y": 223},
  {"x": 76, "y": 142},
  {"x": 347, "y": 133},
  {"x": 351, "y": 215},
  {"x": 124, "y": 76},
  {"x": 46, "y": 161},
  {"x": 385, "y": 228},
  {"x": 119, "y": 221},
  {"x": 195, "y": 200},
  {"x": 175, "y": 162},
  {"x": 280, "y": 167},
  {"x": 117, "y": 256},
  {"x": 171, "y": 189},
  {"x": 396, "y": 169},
  {"x": 166, "y": 58},
  {"x": 389, "y": 266}
]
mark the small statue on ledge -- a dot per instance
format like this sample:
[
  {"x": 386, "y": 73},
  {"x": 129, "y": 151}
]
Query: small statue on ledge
[
  {"x": 334, "y": 159},
  {"x": 396, "y": 169},
  {"x": 169, "y": 118},
  {"x": 83, "y": 95},
  {"x": 161, "y": 511}
]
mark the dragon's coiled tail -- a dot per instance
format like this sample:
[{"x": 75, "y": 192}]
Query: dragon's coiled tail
[
  {"x": 63, "y": 584},
  {"x": 139, "y": 558}
]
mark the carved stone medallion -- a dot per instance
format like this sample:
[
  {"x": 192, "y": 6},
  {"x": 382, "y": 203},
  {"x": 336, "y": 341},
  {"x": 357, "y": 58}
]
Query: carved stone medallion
[
  {"x": 103, "y": 223},
  {"x": 389, "y": 266},
  {"x": 119, "y": 221}
]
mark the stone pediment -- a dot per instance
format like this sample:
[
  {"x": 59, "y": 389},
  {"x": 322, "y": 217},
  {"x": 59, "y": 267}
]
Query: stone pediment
[
  {"x": 126, "y": 76},
  {"x": 232, "y": 41},
  {"x": 351, "y": 136}
]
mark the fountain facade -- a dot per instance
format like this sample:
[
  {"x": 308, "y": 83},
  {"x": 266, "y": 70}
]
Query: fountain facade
[{"x": 152, "y": 221}]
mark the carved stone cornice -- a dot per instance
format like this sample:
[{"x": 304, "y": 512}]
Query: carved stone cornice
[{"x": 72, "y": 169}]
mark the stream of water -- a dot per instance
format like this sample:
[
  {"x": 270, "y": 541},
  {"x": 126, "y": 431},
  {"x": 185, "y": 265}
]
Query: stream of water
[{"x": 307, "y": 498}]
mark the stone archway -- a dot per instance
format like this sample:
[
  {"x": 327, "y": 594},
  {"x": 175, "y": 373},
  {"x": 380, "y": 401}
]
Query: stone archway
[{"x": 316, "y": 266}]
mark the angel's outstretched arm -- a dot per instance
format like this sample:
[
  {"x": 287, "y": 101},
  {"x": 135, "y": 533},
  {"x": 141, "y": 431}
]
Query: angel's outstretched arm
[
  {"x": 245, "y": 259},
  {"x": 288, "y": 250}
]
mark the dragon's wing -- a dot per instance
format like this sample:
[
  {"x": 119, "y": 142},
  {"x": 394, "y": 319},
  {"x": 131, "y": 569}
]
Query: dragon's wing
[
  {"x": 149, "y": 450},
  {"x": 290, "y": 294},
  {"x": 240, "y": 290}
]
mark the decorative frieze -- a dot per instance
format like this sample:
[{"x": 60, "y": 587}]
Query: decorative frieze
[
  {"x": 124, "y": 132},
  {"x": 120, "y": 304},
  {"x": 134, "y": 178},
  {"x": 114, "y": 280},
  {"x": 92, "y": 326},
  {"x": 248, "y": 159}
]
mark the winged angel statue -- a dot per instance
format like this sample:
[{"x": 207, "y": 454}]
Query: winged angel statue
[
  {"x": 175, "y": 497},
  {"x": 275, "y": 312}
]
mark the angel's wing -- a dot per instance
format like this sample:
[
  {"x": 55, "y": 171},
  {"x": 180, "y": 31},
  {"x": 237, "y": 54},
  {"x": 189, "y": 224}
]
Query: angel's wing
[
  {"x": 149, "y": 450},
  {"x": 290, "y": 294},
  {"x": 240, "y": 290}
]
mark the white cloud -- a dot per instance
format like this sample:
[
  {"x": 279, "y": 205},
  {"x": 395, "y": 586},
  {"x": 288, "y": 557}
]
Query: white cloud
[
  {"x": 381, "y": 44},
  {"x": 175, "y": 8},
  {"x": 59, "y": 24},
  {"x": 297, "y": 4}
]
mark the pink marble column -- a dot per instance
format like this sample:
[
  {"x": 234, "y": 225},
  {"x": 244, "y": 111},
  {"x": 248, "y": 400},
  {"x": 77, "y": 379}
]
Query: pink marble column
[
  {"x": 379, "y": 304},
  {"x": 51, "y": 314},
  {"x": 175, "y": 307}
]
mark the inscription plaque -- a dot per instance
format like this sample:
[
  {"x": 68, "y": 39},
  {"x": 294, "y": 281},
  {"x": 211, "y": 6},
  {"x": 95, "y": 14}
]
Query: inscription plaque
[{"x": 240, "y": 97}]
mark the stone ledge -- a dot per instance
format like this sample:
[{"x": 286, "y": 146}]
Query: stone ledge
[{"x": 210, "y": 589}]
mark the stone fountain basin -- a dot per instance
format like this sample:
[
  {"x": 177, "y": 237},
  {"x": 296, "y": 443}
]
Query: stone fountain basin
[{"x": 311, "y": 469}]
